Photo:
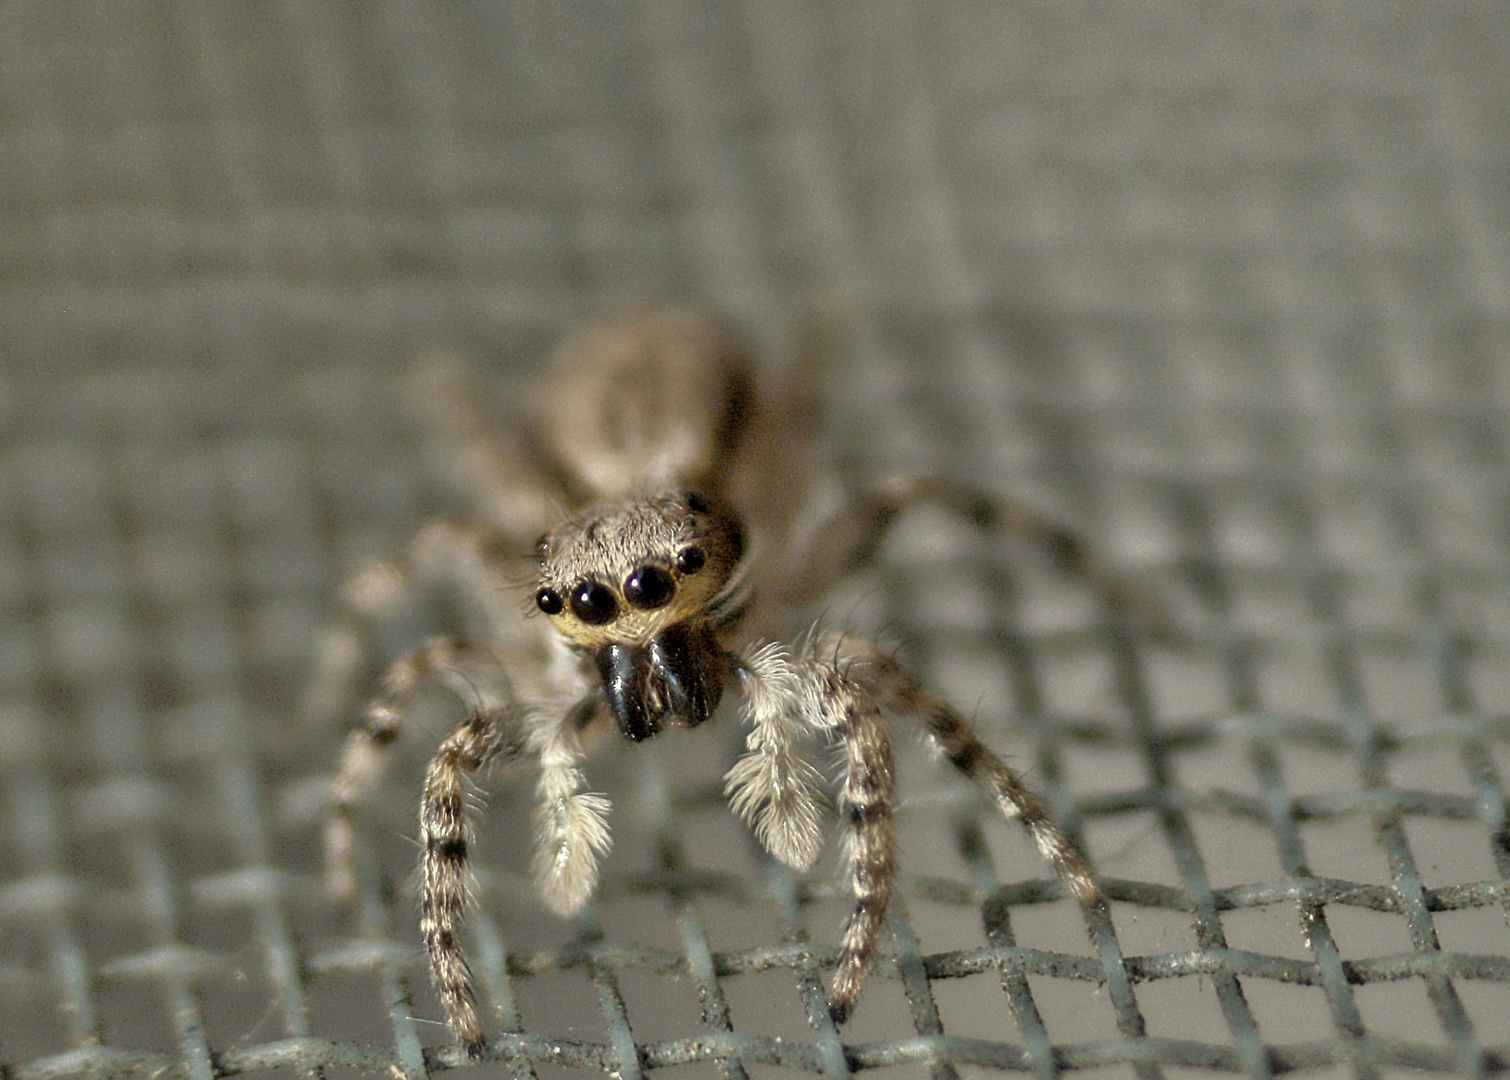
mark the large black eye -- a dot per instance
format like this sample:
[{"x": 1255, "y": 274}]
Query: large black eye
[
  {"x": 649, "y": 587},
  {"x": 548, "y": 601},
  {"x": 690, "y": 560},
  {"x": 593, "y": 603}
]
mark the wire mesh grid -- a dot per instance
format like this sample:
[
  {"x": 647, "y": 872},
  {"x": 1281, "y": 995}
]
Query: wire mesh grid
[{"x": 1226, "y": 287}]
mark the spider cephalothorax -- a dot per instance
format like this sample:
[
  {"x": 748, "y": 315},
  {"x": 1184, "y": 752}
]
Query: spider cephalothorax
[
  {"x": 649, "y": 430},
  {"x": 643, "y": 587}
]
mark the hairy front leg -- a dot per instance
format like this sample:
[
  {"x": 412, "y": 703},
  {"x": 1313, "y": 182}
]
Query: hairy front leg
[
  {"x": 867, "y": 796},
  {"x": 497, "y": 735},
  {"x": 899, "y": 691},
  {"x": 571, "y": 825},
  {"x": 775, "y": 790},
  {"x": 460, "y": 668}
]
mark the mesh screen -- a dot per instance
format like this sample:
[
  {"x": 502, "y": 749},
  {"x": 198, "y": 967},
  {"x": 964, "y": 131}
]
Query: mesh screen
[{"x": 1227, "y": 286}]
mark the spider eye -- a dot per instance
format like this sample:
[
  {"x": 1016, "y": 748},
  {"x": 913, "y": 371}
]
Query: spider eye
[
  {"x": 697, "y": 502},
  {"x": 690, "y": 560},
  {"x": 649, "y": 587},
  {"x": 548, "y": 601},
  {"x": 593, "y": 603}
]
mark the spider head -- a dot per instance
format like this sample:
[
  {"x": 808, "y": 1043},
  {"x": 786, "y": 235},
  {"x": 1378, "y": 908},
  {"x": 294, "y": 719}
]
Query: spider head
[{"x": 642, "y": 586}]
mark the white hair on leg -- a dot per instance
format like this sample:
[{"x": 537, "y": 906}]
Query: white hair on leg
[{"x": 772, "y": 787}]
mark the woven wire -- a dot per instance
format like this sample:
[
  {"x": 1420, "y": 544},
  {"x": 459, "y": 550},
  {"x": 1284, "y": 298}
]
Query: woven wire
[{"x": 1226, "y": 286}]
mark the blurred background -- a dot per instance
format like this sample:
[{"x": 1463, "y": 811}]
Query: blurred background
[{"x": 1225, "y": 286}]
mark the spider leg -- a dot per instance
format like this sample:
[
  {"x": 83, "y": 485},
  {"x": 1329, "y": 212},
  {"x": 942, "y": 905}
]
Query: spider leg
[
  {"x": 866, "y": 798},
  {"x": 773, "y": 789},
  {"x": 899, "y": 691},
  {"x": 487, "y": 467},
  {"x": 571, "y": 826},
  {"x": 499, "y": 734},
  {"x": 365, "y": 756},
  {"x": 344, "y": 646},
  {"x": 467, "y": 561},
  {"x": 848, "y": 541}
]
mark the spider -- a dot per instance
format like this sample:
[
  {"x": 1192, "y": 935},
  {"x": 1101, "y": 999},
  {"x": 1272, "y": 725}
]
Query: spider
[{"x": 673, "y": 570}]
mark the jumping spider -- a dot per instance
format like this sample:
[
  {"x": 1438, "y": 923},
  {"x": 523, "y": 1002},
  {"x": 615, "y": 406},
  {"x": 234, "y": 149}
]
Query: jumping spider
[{"x": 679, "y": 573}]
